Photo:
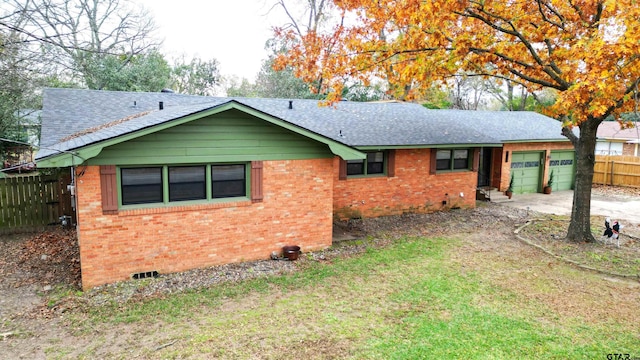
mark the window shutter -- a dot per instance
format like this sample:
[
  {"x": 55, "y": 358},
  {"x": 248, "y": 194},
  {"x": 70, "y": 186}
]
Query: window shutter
[
  {"x": 391, "y": 163},
  {"x": 433, "y": 165},
  {"x": 256, "y": 181},
  {"x": 476, "y": 159},
  {"x": 342, "y": 172},
  {"x": 109, "y": 189}
]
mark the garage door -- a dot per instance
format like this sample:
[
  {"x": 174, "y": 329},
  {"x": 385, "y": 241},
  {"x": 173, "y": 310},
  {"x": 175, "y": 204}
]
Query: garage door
[
  {"x": 562, "y": 164},
  {"x": 525, "y": 169}
]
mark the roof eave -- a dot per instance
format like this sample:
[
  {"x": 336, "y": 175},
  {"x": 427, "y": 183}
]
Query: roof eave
[
  {"x": 68, "y": 158},
  {"x": 533, "y": 141}
]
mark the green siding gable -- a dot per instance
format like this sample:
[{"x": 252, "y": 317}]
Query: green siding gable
[{"x": 230, "y": 135}]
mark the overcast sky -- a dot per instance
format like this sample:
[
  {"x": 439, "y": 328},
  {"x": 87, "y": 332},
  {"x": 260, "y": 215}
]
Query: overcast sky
[{"x": 232, "y": 31}]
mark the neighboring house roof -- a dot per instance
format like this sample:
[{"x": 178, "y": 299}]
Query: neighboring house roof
[
  {"x": 610, "y": 130},
  {"x": 74, "y": 118},
  {"x": 30, "y": 123},
  {"x": 29, "y": 117}
]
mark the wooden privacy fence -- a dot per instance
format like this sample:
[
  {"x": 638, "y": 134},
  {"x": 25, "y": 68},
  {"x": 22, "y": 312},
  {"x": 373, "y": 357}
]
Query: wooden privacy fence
[
  {"x": 617, "y": 170},
  {"x": 33, "y": 201}
]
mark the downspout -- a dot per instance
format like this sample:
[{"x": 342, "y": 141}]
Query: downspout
[{"x": 72, "y": 188}]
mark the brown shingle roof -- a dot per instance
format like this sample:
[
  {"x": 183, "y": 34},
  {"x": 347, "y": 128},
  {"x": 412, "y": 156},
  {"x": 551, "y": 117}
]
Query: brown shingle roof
[{"x": 611, "y": 130}]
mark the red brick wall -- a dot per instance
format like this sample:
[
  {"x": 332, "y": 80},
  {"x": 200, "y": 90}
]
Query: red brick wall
[
  {"x": 630, "y": 149},
  {"x": 412, "y": 189},
  {"x": 505, "y": 171},
  {"x": 297, "y": 210}
]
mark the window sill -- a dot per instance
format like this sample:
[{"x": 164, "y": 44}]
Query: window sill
[
  {"x": 452, "y": 171},
  {"x": 184, "y": 206},
  {"x": 366, "y": 176}
]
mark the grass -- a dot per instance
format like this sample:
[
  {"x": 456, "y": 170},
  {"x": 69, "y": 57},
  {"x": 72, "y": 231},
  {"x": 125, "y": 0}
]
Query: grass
[{"x": 410, "y": 300}]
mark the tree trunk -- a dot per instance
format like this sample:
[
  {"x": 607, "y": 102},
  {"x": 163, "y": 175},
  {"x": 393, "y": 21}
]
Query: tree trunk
[
  {"x": 509, "y": 96},
  {"x": 580, "y": 225}
]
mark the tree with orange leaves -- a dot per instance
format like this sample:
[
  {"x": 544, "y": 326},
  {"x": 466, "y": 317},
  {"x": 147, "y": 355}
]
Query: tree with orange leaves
[{"x": 588, "y": 51}]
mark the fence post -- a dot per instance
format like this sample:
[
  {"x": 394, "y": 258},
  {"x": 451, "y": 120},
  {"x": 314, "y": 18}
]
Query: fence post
[
  {"x": 604, "y": 170},
  {"x": 612, "y": 164}
]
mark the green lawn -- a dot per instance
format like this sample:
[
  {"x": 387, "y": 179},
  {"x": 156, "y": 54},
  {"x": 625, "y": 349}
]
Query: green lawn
[{"x": 409, "y": 300}]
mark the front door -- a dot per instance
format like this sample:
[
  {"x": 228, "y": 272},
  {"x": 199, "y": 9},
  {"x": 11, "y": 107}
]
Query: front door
[{"x": 484, "y": 168}]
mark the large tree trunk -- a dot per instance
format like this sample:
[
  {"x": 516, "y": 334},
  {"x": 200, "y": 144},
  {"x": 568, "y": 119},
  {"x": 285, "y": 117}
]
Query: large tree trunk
[{"x": 585, "y": 145}]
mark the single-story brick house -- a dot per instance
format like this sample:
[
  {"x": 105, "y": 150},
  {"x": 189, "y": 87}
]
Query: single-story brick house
[
  {"x": 167, "y": 182},
  {"x": 613, "y": 140}
]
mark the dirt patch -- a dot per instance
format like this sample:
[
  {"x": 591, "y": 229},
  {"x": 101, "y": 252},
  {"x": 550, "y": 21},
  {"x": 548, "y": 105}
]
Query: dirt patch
[{"x": 606, "y": 255}]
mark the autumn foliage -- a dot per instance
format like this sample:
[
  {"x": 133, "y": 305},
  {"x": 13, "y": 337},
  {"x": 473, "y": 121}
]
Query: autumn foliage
[{"x": 587, "y": 51}]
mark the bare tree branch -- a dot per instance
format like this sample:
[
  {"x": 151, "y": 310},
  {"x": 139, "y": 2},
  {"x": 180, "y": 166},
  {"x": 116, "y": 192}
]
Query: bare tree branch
[
  {"x": 542, "y": 5},
  {"x": 77, "y": 32},
  {"x": 489, "y": 20}
]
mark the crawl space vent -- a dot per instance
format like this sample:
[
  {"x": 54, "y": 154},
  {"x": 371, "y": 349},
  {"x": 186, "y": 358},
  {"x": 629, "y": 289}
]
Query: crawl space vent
[{"x": 145, "y": 275}]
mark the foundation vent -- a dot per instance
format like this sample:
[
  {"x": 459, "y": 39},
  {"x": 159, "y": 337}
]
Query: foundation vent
[{"x": 145, "y": 275}]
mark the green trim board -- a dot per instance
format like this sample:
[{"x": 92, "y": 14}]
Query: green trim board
[
  {"x": 69, "y": 158},
  {"x": 91, "y": 151}
]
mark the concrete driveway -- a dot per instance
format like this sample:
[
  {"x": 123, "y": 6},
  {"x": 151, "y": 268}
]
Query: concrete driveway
[{"x": 623, "y": 208}]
